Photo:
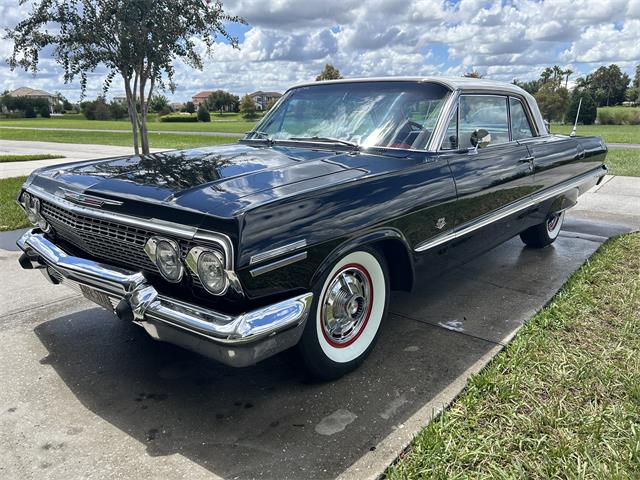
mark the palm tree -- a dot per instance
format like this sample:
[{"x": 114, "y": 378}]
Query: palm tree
[{"x": 568, "y": 73}]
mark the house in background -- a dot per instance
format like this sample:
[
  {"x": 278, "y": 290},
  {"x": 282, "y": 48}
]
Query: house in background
[
  {"x": 33, "y": 93},
  {"x": 200, "y": 97},
  {"x": 262, "y": 99}
]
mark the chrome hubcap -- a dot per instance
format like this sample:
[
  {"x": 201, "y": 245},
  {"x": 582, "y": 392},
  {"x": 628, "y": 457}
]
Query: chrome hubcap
[
  {"x": 346, "y": 305},
  {"x": 552, "y": 223}
]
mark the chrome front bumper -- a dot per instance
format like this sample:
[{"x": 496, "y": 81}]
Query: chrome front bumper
[{"x": 235, "y": 340}]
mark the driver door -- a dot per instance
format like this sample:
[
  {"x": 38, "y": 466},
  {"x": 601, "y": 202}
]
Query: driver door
[{"x": 490, "y": 177}]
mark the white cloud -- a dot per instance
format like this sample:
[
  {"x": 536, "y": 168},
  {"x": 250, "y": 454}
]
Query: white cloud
[{"x": 289, "y": 41}]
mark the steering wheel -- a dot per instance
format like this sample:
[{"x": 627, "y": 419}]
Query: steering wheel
[{"x": 415, "y": 126}]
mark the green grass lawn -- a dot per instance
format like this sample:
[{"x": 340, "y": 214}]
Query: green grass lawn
[
  {"x": 232, "y": 123},
  {"x": 624, "y": 162},
  {"x": 562, "y": 400},
  {"x": 25, "y": 158},
  {"x": 610, "y": 133},
  {"x": 12, "y": 216},
  {"x": 156, "y": 140}
]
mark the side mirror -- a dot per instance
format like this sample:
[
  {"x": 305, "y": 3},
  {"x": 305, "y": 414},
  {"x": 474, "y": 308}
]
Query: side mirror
[{"x": 480, "y": 138}]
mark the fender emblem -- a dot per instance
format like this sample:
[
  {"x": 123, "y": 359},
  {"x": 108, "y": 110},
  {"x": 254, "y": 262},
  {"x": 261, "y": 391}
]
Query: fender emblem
[{"x": 441, "y": 223}]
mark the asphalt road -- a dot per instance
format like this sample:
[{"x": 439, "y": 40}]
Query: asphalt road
[{"x": 85, "y": 395}]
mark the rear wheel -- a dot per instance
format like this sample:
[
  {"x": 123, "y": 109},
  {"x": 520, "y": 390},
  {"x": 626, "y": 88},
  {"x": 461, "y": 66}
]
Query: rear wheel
[
  {"x": 544, "y": 234},
  {"x": 349, "y": 304}
]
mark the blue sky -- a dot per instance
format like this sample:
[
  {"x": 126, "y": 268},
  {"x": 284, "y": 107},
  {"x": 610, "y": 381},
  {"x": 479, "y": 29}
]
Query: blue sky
[{"x": 289, "y": 41}]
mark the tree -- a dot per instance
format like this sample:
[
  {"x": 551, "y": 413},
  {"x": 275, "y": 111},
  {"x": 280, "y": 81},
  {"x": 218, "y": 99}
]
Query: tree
[
  {"x": 221, "y": 101},
  {"x": 473, "y": 74},
  {"x": 532, "y": 86},
  {"x": 588, "y": 109},
  {"x": 567, "y": 74},
  {"x": 189, "y": 107},
  {"x": 607, "y": 85},
  {"x": 45, "y": 111},
  {"x": 329, "y": 73},
  {"x": 158, "y": 103},
  {"x": 203, "y": 113},
  {"x": 552, "y": 101},
  {"x": 248, "y": 107},
  {"x": 136, "y": 40}
]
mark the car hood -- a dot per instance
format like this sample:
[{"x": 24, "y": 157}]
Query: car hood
[{"x": 221, "y": 180}]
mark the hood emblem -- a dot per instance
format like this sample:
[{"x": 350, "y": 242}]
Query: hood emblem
[
  {"x": 441, "y": 223},
  {"x": 84, "y": 199}
]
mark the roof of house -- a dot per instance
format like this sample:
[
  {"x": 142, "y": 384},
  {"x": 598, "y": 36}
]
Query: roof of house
[
  {"x": 29, "y": 92},
  {"x": 204, "y": 94},
  {"x": 268, "y": 94}
]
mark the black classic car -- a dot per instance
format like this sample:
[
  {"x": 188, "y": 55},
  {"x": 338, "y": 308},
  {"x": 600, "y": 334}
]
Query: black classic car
[{"x": 295, "y": 236}]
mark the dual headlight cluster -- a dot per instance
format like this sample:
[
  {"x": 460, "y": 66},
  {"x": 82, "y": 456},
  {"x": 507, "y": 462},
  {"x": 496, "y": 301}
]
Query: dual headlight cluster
[
  {"x": 31, "y": 205},
  {"x": 206, "y": 263}
]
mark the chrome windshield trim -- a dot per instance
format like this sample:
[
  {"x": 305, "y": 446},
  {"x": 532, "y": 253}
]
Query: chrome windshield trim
[
  {"x": 509, "y": 210},
  {"x": 260, "y": 257},
  {"x": 278, "y": 264}
]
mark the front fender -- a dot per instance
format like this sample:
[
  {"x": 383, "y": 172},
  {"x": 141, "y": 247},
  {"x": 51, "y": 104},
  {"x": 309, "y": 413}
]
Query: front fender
[{"x": 392, "y": 244}]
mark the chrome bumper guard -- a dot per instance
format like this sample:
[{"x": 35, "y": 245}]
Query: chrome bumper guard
[{"x": 235, "y": 340}]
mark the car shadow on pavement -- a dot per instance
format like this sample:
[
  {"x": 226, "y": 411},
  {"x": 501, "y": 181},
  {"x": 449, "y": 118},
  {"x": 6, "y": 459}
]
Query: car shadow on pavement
[{"x": 269, "y": 420}]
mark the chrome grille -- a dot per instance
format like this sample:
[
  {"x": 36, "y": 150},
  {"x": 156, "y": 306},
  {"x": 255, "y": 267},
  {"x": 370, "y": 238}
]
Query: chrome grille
[
  {"x": 105, "y": 240},
  {"x": 102, "y": 239}
]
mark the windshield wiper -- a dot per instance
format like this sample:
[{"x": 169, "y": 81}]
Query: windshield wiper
[
  {"x": 326, "y": 140},
  {"x": 261, "y": 134}
]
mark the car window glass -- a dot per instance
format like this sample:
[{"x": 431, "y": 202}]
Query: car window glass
[
  {"x": 383, "y": 114},
  {"x": 450, "y": 140},
  {"x": 486, "y": 112},
  {"x": 520, "y": 126}
]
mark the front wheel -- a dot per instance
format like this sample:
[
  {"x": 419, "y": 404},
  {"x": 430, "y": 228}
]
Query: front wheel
[
  {"x": 544, "y": 234},
  {"x": 349, "y": 304}
]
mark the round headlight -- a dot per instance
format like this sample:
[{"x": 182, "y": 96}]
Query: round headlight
[
  {"x": 31, "y": 204},
  {"x": 211, "y": 271},
  {"x": 168, "y": 261}
]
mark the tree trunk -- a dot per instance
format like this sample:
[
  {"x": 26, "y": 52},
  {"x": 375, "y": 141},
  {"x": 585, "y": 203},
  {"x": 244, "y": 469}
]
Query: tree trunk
[
  {"x": 131, "y": 105},
  {"x": 144, "y": 108}
]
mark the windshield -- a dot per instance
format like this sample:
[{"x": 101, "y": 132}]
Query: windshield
[{"x": 367, "y": 114}]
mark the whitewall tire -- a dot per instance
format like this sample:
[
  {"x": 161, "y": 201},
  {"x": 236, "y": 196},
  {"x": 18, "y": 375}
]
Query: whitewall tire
[
  {"x": 544, "y": 234},
  {"x": 349, "y": 305}
]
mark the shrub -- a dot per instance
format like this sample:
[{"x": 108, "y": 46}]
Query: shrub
[
  {"x": 588, "y": 109},
  {"x": 45, "y": 111},
  {"x": 117, "y": 110},
  {"x": 248, "y": 108},
  {"x": 203, "y": 114},
  {"x": 178, "y": 118},
  {"x": 96, "y": 109},
  {"x": 619, "y": 116},
  {"x": 29, "y": 111}
]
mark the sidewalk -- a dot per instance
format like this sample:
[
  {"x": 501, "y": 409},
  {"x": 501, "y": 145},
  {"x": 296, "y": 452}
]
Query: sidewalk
[
  {"x": 72, "y": 152},
  {"x": 105, "y": 130}
]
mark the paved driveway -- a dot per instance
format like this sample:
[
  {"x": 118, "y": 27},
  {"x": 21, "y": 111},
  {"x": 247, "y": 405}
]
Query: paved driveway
[
  {"x": 85, "y": 395},
  {"x": 72, "y": 152}
]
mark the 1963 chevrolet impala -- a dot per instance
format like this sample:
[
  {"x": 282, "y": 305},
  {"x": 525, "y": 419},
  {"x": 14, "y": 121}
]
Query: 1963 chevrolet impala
[{"x": 296, "y": 235}]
